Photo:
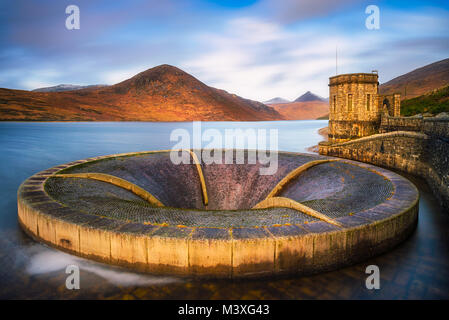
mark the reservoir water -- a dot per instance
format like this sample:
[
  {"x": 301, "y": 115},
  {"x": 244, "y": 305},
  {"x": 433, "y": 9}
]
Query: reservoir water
[{"x": 417, "y": 269}]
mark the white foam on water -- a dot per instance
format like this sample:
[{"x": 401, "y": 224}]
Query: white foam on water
[{"x": 47, "y": 260}]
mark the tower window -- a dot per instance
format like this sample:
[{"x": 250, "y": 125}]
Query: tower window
[
  {"x": 368, "y": 102},
  {"x": 334, "y": 103},
  {"x": 350, "y": 102}
]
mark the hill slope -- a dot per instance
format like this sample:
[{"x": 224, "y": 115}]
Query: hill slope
[
  {"x": 434, "y": 102},
  {"x": 163, "y": 93},
  {"x": 419, "y": 81},
  {"x": 302, "y": 110}
]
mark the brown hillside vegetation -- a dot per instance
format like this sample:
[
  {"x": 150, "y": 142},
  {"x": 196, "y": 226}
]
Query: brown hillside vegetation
[
  {"x": 419, "y": 81},
  {"x": 163, "y": 93},
  {"x": 302, "y": 110}
]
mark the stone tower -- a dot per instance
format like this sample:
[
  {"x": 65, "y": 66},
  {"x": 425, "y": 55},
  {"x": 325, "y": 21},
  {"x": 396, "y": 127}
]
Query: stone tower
[{"x": 353, "y": 106}]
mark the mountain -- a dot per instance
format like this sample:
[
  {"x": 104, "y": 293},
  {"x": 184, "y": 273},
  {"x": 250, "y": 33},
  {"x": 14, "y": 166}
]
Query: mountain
[
  {"x": 309, "y": 106},
  {"x": 308, "y": 110},
  {"x": 67, "y": 87},
  {"x": 277, "y": 100},
  {"x": 309, "y": 96},
  {"x": 419, "y": 81},
  {"x": 162, "y": 93}
]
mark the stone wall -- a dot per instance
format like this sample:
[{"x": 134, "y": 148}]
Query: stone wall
[
  {"x": 425, "y": 153},
  {"x": 437, "y": 128},
  {"x": 390, "y": 124},
  {"x": 437, "y": 155},
  {"x": 344, "y": 130}
]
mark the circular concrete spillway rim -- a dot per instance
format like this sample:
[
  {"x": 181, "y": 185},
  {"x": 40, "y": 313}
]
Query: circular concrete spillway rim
[{"x": 231, "y": 252}]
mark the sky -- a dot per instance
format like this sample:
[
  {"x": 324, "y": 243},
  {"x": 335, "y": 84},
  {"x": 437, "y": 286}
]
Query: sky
[{"x": 255, "y": 49}]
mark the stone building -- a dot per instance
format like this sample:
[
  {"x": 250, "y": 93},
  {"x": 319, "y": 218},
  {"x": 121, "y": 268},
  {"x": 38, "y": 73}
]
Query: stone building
[
  {"x": 417, "y": 145},
  {"x": 355, "y": 106}
]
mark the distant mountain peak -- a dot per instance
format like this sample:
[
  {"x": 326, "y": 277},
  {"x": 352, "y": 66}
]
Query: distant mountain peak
[
  {"x": 67, "y": 87},
  {"x": 162, "y": 79},
  {"x": 161, "y": 69},
  {"x": 277, "y": 100},
  {"x": 309, "y": 96}
]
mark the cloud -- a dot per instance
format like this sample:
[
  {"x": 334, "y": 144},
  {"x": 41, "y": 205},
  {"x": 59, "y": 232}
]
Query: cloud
[
  {"x": 41, "y": 24},
  {"x": 288, "y": 11},
  {"x": 264, "y": 59},
  {"x": 114, "y": 37},
  {"x": 260, "y": 58},
  {"x": 259, "y": 51},
  {"x": 35, "y": 78},
  {"x": 116, "y": 76}
]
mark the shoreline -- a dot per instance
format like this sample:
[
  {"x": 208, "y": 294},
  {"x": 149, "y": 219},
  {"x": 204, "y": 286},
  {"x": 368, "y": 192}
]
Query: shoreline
[
  {"x": 322, "y": 132},
  {"x": 143, "y": 121}
]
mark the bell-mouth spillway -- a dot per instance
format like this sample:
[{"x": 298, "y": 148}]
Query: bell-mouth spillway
[{"x": 141, "y": 210}]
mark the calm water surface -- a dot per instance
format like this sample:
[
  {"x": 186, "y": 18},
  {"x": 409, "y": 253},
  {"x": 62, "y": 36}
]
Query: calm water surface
[{"x": 417, "y": 269}]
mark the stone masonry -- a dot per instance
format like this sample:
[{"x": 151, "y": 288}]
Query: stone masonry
[
  {"x": 367, "y": 133},
  {"x": 356, "y": 106}
]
